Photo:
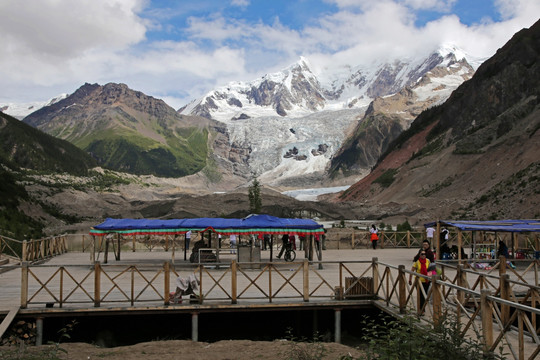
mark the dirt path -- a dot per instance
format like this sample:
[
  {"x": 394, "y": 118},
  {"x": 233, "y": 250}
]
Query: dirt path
[{"x": 189, "y": 350}]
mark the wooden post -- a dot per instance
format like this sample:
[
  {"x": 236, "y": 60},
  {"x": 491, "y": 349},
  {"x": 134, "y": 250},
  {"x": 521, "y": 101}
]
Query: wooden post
[
  {"x": 402, "y": 289},
  {"x": 167, "y": 284},
  {"x": 201, "y": 284},
  {"x": 381, "y": 240},
  {"x": 487, "y": 321},
  {"x": 24, "y": 285},
  {"x": 234, "y": 282},
  {"x": 93, "y": 256},
  {"x": 61, "y": 296},
  {"x": 106, "y": 250},
  {"x": 271, "y": 247},
  {"x": 461, "y": 282},
  {"x": 97, "y": 283},
  {"x": 310, "y": 257},
  {"x": 352, "y": 239},
  {"x": 24, "y": 251},
  {"x": 505, "y": 295},
  {"x": 306, "y": 280},
  {"x": 408, "y": 239},
  {"x": 133, "y": 238},
  {"x": 437, "y": 301},
  {"x": 270, "y": 283},
  {"x": 534, "y": 299},
  {"x": 438, "y": 241},
  {"x": 118, "y": 237},
  {"x": 521, "y": 340},
  {"x": 502, "y": 265},
  {"x": 375, "y": 274},
  {"x": 132, "y": 288}
]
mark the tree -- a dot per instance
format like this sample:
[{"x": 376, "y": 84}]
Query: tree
[
  {"x": 254, "y": 194},
  {"x": 404, "y": 227}
]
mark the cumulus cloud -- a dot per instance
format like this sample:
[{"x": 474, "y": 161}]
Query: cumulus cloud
[{"x": 54, "y": 46}]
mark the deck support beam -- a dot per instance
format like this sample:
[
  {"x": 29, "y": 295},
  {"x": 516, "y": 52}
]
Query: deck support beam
[
  {"x": 337, "y": 326},
  {"x": 195, "y": 326},
  {"x": 39, "y": 331}
]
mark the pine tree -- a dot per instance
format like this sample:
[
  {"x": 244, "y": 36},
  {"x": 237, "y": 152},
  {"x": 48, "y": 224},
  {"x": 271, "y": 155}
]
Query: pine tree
[{"x": 254, "y": 194}]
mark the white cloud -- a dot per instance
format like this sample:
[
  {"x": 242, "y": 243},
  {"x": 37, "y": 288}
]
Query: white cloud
[
  {"x": 437, "y": 5},
  {"x": 241, "y": 3},
  {"x": 54, "y": 46}
]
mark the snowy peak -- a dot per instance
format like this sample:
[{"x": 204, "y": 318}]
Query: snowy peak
[
  {"x": 297, "y": 92},
  {"x": 20, "y": 111}
]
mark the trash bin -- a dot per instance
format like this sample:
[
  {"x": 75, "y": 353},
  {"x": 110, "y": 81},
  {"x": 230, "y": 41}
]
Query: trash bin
[
  {"x": 244, "y": 253},
  {"x": 249, "y": 254}
]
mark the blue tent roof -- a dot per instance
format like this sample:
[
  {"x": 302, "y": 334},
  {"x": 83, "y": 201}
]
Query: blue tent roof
[
  {"x": 493, "y": 225},
  {"x": 250, "y": 224}
]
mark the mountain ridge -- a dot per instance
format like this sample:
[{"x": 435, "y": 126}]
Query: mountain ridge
[
  {"x": 127, "y": 130},
  {"x": 297, "y": 91},
  {"x": 476, "y": 155}
]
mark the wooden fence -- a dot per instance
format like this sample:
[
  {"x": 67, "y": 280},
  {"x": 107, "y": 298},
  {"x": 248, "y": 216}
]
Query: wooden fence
[
  {"x": 501, "y": 311},
  {"x": 32, "y": 250}
]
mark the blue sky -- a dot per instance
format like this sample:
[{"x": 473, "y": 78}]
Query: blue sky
[{"x": 179, "y": 50}]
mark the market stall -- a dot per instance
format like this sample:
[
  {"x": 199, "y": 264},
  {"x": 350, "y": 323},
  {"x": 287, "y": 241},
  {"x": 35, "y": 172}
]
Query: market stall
[
  {"x": 481, "y": 248},
  {"x": 247, "y": 228}
]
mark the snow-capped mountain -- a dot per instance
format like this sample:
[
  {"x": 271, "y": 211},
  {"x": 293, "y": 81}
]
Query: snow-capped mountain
[
  {"x": 20, "y": 111},
  {"x": 297, "y": 91},
  {"x": 289, "y": 125}
]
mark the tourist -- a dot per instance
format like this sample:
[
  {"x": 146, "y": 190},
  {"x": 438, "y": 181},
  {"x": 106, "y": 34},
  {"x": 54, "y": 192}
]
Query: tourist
[
  {"x": 284, "y": 244},
  {"x": 232, "y": 239},
  {"x": 429, "y": 233},
  {"x": 374, "y": 237},
  {"x": 188, "y": 239},
  {"x": 426, "y": 246},
  {"x": 444, "y": 235},
  {"x": 503, "y": 250},
  {"x": 421, "y": 266},
  {"x": 266, "y": 241}
]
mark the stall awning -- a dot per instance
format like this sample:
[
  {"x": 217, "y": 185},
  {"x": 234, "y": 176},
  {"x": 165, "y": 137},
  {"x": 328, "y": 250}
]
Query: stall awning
[
  {"x": 494, "y": 225},
  {"x": 253, "y": 224}
]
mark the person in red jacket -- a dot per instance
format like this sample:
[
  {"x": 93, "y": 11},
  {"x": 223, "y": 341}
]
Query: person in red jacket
[{"x": 374, "y": 237}]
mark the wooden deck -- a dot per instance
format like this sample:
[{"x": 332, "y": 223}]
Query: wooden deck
[{"x": 141, "y": 281}]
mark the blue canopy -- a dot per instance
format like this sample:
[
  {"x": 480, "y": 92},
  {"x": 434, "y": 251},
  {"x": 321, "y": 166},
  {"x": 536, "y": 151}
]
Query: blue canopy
[
  {"x": 493, "y": 225},
  {"x": 252, "y": 224}
]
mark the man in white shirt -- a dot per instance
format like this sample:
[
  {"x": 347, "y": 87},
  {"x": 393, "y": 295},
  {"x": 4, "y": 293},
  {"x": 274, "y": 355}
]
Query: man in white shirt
[
  {"x": 429, "y": 233},
  {"x": 232, "y": 239}
]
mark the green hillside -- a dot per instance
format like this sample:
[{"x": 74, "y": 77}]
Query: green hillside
[
  {"x": 184, "y": 153},
  {"x": 22, "y": 146},
  {"x": 128, "y": 131}
]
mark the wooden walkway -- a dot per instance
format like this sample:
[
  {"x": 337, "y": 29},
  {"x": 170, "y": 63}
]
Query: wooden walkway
[{"x": 142, "y": 281}]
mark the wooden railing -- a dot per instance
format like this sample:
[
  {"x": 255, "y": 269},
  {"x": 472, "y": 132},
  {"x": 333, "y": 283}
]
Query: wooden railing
[
  {"x": 32, "y": 250},
  {"x": 485, "y": 315},
  {"x": 500, "y": 311}
]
